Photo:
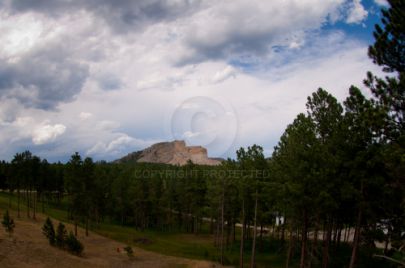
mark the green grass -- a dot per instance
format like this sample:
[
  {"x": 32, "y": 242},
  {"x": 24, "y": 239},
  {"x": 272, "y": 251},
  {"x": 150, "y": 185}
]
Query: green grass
[{"x": 168, "y": 243}]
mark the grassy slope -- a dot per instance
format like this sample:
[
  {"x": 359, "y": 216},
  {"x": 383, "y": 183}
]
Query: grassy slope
[{"x": 173, "y": 244}]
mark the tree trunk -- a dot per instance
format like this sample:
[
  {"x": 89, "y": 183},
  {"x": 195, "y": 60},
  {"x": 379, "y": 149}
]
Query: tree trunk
[
  {"x": 216, "y": 243},
  {"x": 43, "y": 202},
  {"x": 34, "y": 206},
  {"x": 18, "y": 203},
  {"x": 325, "y": 258},
  {"x": 356, "y": 240},
  {"x": 345, "y": 234},
  {"x": 234, "y": 232},
  {"x": 290, "y": 249},
  {"x": 282, "y": 231},
  {"x": 247, "y": 230},
  {"x": 87, "y": 226},
  {"x": 335, "y": 234},
  {"x": 28, "y": 203},
  {"x": 387, "y": 241},
  {"x": 253, "y": 261},
  {"x": 242, "y": 235},
  {"x": 228, "y": 232},
  {"x": 357, "y": 230},
  {"x": 315, "y": 242},
  {"x": 339, "y": 236},
  {"x": 212, "y": 225},
  {"x": 261, "y": 237},
  {"x": 304, "y": 240},
  {"x": 324, "y": 227}
]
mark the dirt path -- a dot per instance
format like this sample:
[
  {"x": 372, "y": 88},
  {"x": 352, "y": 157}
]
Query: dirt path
[{"x": 27, "y": 247}]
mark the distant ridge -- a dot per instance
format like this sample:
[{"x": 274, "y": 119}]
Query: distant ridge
[{"x": 174, "y": 153}]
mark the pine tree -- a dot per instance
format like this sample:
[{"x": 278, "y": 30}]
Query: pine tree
[
  {"x": 253, "y": 163},
  {"x": 74, "y": 184},
  {"x": 73, "y": 245},
  {"x": 61, "y": 235},
  {"x": 49, "y": 231},
  {"x": 389, "y": 47},
  {"x": 363, "y": 172},
  {"x": 388, "y": 51},
  {"x": 295, "y": 155}
]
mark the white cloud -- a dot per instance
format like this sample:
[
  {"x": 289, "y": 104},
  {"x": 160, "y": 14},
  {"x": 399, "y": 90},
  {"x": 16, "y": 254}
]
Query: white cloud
[
  {"x": 356, "y": 13},
  {"x": 108, "y": 125},
  {"x": 172, "y": 79},
  {"x": 47, "y": 133},
  {"x": 190, "y": 134},
  {"x": 117, "y": 146},
  {"x": 18, "y": 34},
  {"x": 223, "y": 75},
  {"x": 383, "y": 3},
  {"x": 85, "y": 116},
  {"x": 23, "y": 121}
]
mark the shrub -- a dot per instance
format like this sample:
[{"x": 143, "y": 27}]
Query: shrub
[
  {"x": 49, "y": 231},
  {"x": 129, "y": 251},
  {"x": 61, "y": 235},
  {"x": 61, "y": 239},
  {"x": 8, "y": 222},
  {"x": 73, "y": 245}
]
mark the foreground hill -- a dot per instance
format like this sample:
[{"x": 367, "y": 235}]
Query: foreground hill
[
  {"x": 27, "y": 247},
  {"x": 174, "y": 153}
]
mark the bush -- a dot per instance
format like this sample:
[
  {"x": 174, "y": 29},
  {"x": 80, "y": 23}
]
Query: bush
[
  {"x": 61, "y": 239},
  {"x": 73, "y": 245},
  {"x": 61, "y": 235},
  {"x": 8, "y": 222},
  {"x": 49, "y": 231},
  {"x": 129, "y": 251}
]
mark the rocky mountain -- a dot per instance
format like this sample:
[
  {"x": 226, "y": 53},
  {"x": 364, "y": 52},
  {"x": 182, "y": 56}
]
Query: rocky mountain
[{"x": 175, "y": 153}]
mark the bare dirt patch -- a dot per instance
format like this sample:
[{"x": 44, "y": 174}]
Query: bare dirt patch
[{"x": 27, "y": 247}]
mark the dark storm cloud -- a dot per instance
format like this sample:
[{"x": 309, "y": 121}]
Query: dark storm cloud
[
  {"x": 42, "y": 78},
  {"x": 236, "y": 45},
  {"x": 55, "y": 72},
  {"x": 120, "y": 15}
]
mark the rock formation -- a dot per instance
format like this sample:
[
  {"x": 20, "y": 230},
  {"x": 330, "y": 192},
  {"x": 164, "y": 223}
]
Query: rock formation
[{"x": 175, "y": 153}]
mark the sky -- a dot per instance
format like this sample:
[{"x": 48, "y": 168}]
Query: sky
[{"x": 108, "y": 77}]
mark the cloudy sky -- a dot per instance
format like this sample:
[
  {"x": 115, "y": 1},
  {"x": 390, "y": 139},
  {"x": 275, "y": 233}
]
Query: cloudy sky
[{"x": 108, "y": 77}]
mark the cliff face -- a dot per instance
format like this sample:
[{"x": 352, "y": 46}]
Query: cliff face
[{"x": 175, "y": 153}]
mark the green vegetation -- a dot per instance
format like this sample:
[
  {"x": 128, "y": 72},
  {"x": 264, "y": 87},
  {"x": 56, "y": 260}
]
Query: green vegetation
[
  {"x": 61, "y": 235},
  {"x": 129, "y": 251},
  {"x": 333, "y": 187},
  {"x": 8, "y": 222},
  {"x": 49, "y": 231},
  {"x": 61, "y": 239},
  {"x": 73, "y": 245}
]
